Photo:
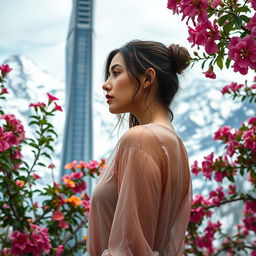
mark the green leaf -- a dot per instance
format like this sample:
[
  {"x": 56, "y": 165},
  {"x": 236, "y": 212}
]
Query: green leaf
[
  {"x": 223, "y": 18},
  {"x": 33, "y": 145},
  {"x": 220, "y": 61},
  {"x": 46, "y": 155},
  {"x": 243, "y": 9},
  {"x": 228, "y": 27},
  {"x": 227, "y": 62},
  {"x": 33, "y": 122},
  {"x": 238, "y": 22},
  {"x": 245, "y": 18},
  {"x": 41, "y": 164}
]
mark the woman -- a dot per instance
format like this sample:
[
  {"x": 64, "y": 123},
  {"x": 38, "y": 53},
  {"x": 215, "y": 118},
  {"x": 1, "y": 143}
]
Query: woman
[{"x": 141, "y": 203}]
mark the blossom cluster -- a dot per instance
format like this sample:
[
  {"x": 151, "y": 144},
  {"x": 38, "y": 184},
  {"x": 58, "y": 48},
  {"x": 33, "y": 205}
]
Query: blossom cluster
[
  {"x": 217, "y": 35},
  {"x": 39, "y": 220}
]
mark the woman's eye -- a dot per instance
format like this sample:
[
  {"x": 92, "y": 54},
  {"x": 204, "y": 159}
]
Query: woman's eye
[{"x": 116, "y": 73}]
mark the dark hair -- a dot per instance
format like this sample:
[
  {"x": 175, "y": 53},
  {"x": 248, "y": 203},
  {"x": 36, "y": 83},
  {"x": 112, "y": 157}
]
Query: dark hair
[{"x": 166, "y": 61}]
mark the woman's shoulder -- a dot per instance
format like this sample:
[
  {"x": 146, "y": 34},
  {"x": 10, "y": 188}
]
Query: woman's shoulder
[{"x": 148, "y": 136}]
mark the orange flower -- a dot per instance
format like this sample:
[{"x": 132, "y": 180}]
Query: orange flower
[
  {"x": 71, "y": 165},
  {"x": 58, "y": 216},
  {"x": 20, "y": 183},
  {"x": 75, "y": 200},
  {"x": 70, "y": 183}
]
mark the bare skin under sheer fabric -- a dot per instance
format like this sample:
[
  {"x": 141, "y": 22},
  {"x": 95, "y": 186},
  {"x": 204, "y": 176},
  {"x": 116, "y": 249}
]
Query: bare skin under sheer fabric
[{"x": 141, "y": 203}]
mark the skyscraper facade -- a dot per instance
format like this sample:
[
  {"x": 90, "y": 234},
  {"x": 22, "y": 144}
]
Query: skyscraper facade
[{"x": 78, "y": 133}]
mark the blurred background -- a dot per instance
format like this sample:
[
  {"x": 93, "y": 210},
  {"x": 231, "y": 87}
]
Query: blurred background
[{"x": 34, "y": 38}]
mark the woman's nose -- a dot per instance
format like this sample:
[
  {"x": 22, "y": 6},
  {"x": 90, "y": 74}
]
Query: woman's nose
[{"x": 106, "y": 86}]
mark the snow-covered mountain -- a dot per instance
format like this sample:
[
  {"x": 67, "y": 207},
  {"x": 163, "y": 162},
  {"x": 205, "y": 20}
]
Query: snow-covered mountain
[{"x": 26, "y": 84}]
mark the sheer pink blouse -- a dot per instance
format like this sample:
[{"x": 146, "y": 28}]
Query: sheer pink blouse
[{"x": 141, "y": 203}]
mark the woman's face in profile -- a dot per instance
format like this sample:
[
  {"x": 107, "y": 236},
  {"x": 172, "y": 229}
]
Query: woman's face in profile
[{"x": 120, "y": 87}]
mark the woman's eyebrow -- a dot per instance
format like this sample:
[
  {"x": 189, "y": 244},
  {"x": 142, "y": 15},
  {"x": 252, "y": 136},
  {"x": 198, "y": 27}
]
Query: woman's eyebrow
[{"x": 116, "y": 65}]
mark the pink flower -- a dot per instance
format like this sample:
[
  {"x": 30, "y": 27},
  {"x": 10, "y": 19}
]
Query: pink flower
[
  {"x": 51, "y": 98},
  {"x": 197, "y": 215},
  {"x": 77, "y": 175},
  {"x": 195, "y": 169},
  {"x": 243, "y": 52},
  {"x": 19, "y": 242},
  {"x": 51, "y": 166},
  {"x": 252, "y": 121},
  {"x": 217, "y": 196},
  {"x": 253, "y": 3},
  {"x": 60, "y": 250},
  {"x": 5, "y": 69},
  {"x": 252, "y": 25},
  {"x": 57, "y": 107},
  {"x": 5, "y": 139},
  {"x": 205, "y": 34},
  {"x": 219, "y": 176},
  {"x": 232, "y": 189},
  {"x": 249, "y": 143},
  {"x": 63, "y": 224},
  {"x": 215, "y": 3},
  {"x": 210, "y": 74},
  {"x": 15, "y": 126},
  {"x": 36, "y": 105},
  {"x": 58, "y": 216},
  {"x": 92, "y": 165},
  {"x": 232, "y": 145},
  {"x": 35, "y": 176},
  {"x": 207, "y": 166},
  {"x": 4, "y": 91},
  {"x": 223, "y": 133},
  {"x": 193, "y": 9},
  {"x": 233, "y": 87},
  {"x": 248, "y": 134},
  {"x": 20, "y": 183}
]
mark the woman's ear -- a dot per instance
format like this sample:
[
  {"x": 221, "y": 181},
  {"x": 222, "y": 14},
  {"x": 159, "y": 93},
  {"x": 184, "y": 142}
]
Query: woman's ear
[{"x": 149, "y": 77}]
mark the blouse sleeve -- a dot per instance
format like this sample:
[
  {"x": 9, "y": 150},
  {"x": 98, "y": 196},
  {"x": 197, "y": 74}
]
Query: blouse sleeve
[{"x": 139, "y": 194}]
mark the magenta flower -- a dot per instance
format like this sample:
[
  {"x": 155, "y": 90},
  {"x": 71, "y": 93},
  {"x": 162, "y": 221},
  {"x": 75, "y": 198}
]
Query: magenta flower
[
  {"x": 60, "y": 250},
  {"x": 4, "y": 91},
  {"x": 58, "y": 216},
  {"x": 205, "y": 34},
  {"x": 252, "y": 25},
  {"x": 5, "y": 69},
  {"x": 223, "y": 133},
  {"x": 19, "y": 243},
  {"x": 210, "y": 74},
  {"x": 4, "y": 139},
  {"x": 36, "y": 176},
  {"x": 217, "y": 196},
  {"x": 252, "y": 121},
  {"x": 173, "y": 5},
  {"x": 51, "y": 166},
  {"x": 193, "y": 9},
  {"x": 232, "y": 189},
  {"x": 253, "y": 2},
  {"x": 77, "y": 175},
  {"x": 232, "y": 145},
  {"x": 219, "y": 176},
  {"x": 36, "y": 105},
  {"x": 51, "y": 98},
  {"x": 63, "y": 224},
  {"x": 194, "y": 168},
  {"x": 16, "y": 127},
  {"x": 233, "y": 87},
  {"x": 57, "y": 107},
  {"x": 243, "y": 52}
]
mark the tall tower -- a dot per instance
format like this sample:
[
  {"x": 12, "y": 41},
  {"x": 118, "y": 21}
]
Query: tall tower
[{"x": 78, "y": 134}]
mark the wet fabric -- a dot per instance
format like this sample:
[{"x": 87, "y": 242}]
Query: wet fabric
[{"x": 141, "y": 203}]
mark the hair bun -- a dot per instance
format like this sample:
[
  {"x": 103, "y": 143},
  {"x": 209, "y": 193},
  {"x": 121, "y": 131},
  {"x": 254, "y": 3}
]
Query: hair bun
[{"x": 180, "y": 57}]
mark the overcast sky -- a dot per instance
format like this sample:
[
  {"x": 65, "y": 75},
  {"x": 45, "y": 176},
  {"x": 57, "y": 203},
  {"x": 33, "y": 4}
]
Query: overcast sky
[{"x": 38, "y": 29}]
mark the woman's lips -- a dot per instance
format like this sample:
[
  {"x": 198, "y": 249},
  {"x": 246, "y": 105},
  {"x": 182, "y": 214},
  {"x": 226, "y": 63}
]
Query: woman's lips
[{"x": 109, "y": 98}]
